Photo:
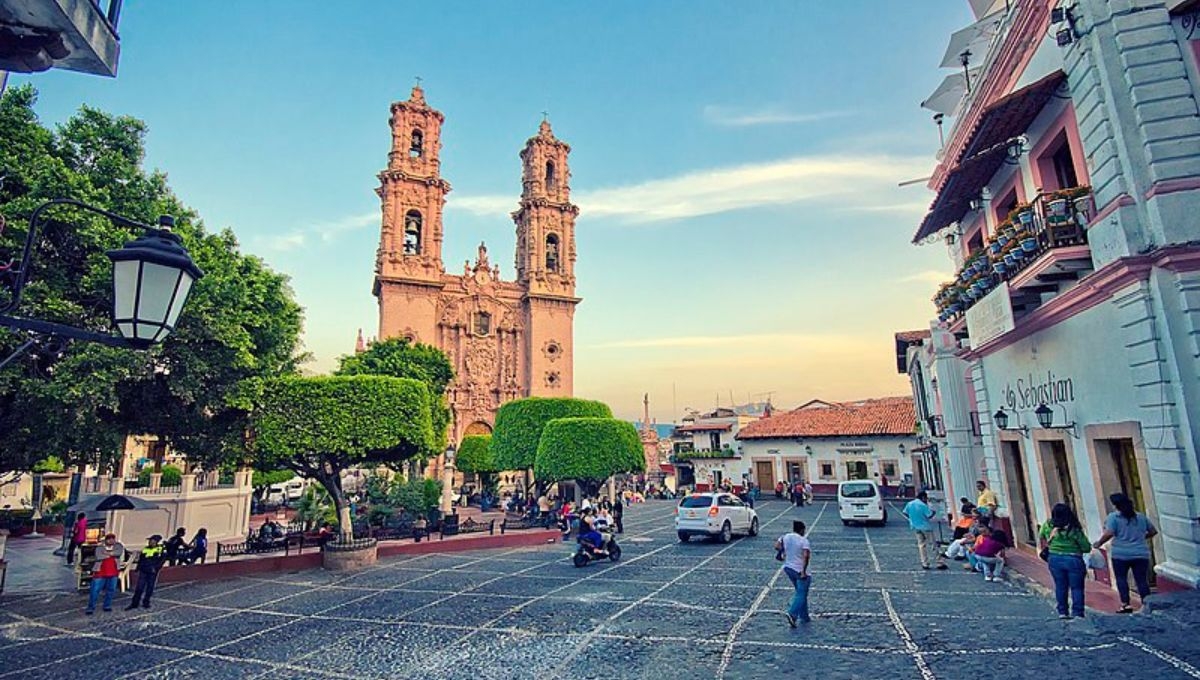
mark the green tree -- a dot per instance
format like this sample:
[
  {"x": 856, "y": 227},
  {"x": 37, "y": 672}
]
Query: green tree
[
  {"x": 588, "y": 450},
  {"x": 399, "y": 358},
  {"x": 171, "y": 476},
  {"x": 475, "y": 456},
  {"x": 519, "y": 425},
  {"x": 241, "y": 322},
  {"x": 321, "y": 426},
  {"x": 49, "y": 464}
]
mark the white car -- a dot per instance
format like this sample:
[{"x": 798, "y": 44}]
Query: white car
[
  {"x": 714, "y": 514},
  {"x": 861, "y": 501}
]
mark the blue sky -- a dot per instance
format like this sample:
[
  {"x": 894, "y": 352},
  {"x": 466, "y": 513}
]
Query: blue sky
[{"x": 736, "y": 165}]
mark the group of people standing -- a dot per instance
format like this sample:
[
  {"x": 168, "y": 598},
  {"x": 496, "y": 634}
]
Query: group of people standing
[{"x": 600, "y": 514}]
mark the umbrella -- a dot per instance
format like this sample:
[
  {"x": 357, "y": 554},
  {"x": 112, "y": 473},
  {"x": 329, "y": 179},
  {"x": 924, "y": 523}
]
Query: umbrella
[
  {"x": 114, "y": 502},
  {"x": 972, "y": 41},
  {"x": 982, "y": 8},
  {"x": 946, "y": 98}
]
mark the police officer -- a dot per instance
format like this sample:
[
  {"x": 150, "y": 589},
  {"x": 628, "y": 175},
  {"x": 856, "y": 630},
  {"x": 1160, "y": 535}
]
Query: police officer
[{"x": 149, "y": 562}]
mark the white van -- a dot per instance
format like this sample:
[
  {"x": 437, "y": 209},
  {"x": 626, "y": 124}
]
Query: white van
[{"x": 861, "y": 501}]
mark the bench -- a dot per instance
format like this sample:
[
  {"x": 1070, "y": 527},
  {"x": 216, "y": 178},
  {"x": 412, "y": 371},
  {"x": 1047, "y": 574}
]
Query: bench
[
  {"x": 284, "y": 545},
  {"x": 451, "y": 526},
  {"x": 516, "y": 522}
]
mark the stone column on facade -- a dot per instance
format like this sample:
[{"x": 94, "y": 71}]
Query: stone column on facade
[
  {"x": 118, "y": 485},
  {"x": 155, "y": 481},
  {"x": 960, "y": 454},
  {"x": 991, "y": 442},
  {"x": 1172, "y": 470}
]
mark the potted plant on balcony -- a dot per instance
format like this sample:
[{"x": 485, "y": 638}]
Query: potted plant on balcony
[
  {"x": 1028, "y": 242},
  {"x": 1056, "y": 206},
  {"x": 1081, "y": 202},
  {"x": 1022, "y": 215}
]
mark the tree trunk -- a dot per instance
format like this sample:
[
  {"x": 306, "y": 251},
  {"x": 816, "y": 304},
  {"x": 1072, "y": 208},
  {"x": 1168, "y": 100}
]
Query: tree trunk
[{"x": 333, "y": 486}]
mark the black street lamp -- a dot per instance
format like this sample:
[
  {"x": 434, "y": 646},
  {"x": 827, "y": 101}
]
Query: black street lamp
[
  {"x": 1001, "y": 419},
  {"x": 152, "y": 276},
  {"x": 1045, "y": 416}
]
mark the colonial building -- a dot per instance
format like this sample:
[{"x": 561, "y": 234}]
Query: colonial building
[
  {"x": 1067, "y": 193},
  {"x": 505, "y": 339},
  {"x": 825, "y": 443}
]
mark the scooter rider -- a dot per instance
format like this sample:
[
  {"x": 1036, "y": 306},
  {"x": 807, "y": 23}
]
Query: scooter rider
[{"x": 592, "y": 540}]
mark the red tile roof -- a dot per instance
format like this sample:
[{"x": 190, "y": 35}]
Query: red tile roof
[
  {"x": 912, "y": 336},
  {"x": 885, "y": 416}
]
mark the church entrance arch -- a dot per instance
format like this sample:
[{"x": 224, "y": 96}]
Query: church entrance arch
[{"x": 477, "y": 427}]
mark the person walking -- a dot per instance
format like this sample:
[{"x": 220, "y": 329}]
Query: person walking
[
  {"x": 808, "y": 493},
  {"x": 105, "y": 571},
  {"x": 920, "y": 517},
  {"x": 78, "y": 537},
  {"x": 148, "y": 562},
  {"x": 798, "y": 494},
  {"x": 797, "y": 552},
  {"x": 618, "y": 515},
  {"x": 1064, "y": 544},
  {"x": 1128, "y": 530}
]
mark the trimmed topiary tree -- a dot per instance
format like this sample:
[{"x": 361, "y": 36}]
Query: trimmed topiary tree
[
  {"x": 588, "y": 450},
  {"x": 519, "y": 426},
  {"x": 320, "y": 426},
  {"x": 475, "y": 456}
]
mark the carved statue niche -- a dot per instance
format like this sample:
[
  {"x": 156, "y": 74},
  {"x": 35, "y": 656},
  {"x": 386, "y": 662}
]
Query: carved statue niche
[
  {"x": 451, "y": 314},
  {"x": 480, "y": 361}
]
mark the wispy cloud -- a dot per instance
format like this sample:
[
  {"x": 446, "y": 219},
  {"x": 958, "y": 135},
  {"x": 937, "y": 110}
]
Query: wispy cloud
[
  {"x": 928, "y": 276},
  {"x": 323, "y": 231},
  {"x": 802, "y": 179},
  {"x": 910, "y": 208},
  {"x": 809, "y": 341},
  {"x": 731, "y": 117}
]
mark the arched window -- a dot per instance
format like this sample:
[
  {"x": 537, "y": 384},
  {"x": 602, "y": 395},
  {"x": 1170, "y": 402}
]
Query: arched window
[
  {"x": 552, "y": 252},
  {"x": 412, "y": 233},
  {"x": 416, "y": 147},
  {"x": 483, "y": 323},
  {"x": 551, "y": 179}
]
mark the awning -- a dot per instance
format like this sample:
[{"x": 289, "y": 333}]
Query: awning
[
  {"x": 1005, "y": 119},
  {"x": 982, "y": 8}
]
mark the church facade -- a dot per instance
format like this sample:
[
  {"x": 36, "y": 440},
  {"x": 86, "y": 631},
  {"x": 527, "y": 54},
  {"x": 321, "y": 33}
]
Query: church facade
[{"x": 505, "y": 339}]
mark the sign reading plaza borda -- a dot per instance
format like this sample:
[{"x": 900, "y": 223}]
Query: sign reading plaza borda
[{"x": 1031, "y": 391}]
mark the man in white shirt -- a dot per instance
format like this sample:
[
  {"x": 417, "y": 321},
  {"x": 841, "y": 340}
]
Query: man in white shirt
[{"x": 796, "y": 554}]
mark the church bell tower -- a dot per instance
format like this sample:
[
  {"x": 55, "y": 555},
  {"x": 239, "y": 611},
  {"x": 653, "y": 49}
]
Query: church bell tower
[{"x": 546, "y": 262}]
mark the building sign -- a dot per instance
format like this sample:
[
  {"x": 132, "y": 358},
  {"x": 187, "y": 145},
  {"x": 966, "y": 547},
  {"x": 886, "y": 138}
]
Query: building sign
[
  {"x": 854, "y": 446},
  {"x": 1035, "y": 390},
  {"x": 990, "y": 317}
]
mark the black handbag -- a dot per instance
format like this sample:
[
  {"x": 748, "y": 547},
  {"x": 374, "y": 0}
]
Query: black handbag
[
  {"x": 1044, "y": 554},
  {"x": 779, "y": 555}
]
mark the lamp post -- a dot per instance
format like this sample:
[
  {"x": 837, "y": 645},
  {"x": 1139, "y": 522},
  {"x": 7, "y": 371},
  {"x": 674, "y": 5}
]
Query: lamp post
[
  {"x": 448, "y": 480},
  {"x": 152, "y": 276}
]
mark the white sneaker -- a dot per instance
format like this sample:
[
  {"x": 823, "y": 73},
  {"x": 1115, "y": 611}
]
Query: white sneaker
[{"x": 987, "y": 578}]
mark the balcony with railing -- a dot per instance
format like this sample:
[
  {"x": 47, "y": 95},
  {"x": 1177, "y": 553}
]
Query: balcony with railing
[{"x": 1035, "y": 254}]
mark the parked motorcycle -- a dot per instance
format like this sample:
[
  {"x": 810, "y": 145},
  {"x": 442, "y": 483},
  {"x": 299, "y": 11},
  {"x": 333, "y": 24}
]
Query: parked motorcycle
[{"x": 585, "y": 554}]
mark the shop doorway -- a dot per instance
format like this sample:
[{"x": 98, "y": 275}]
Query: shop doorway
[
  {"x": 1056, "y": 470},
  {"x": 1117, "y": 464},
  {"x": 764, "y": 472},
  {"x": 795, "y": 473},
  {"x": 1018, "y": 492},
  {"x": 856, "y": 469}
]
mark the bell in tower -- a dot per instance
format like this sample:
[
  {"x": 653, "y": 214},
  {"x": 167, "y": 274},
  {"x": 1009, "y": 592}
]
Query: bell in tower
[{"x": 546, "y": 217}]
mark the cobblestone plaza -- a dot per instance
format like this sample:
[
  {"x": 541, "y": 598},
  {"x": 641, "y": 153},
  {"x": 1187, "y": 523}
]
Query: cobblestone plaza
[{"x": 701, "y": 608}]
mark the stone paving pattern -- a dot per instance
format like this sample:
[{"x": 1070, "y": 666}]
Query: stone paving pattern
[{"x": 701, "y": 609}]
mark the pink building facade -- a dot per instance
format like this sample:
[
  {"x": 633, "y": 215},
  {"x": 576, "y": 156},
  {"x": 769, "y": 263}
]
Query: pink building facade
[{"x": 505, "y": 339}]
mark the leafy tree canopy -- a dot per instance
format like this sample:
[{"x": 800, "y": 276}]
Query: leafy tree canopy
[
  {"x": 399, "y": 358},
  {"x": 588, "y": 449},
  {"x": 475, "y": 454},
  {"x": 320, "y": 426},
  {"x": 519, "y": 426},
  {"x": 241, "y": 322}
]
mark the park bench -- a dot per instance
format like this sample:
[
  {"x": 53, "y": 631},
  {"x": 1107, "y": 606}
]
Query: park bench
[
  {"x": 451, "y": 526},
  {"x": 513, "y": 521},
  {"x": 253, "y": 546}
]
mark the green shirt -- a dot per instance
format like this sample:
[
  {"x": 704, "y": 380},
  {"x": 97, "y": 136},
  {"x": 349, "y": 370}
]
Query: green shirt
[{"x": 1066, "y": 542}]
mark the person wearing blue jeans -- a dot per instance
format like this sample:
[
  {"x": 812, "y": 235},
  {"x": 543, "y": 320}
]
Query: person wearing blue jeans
[
  {"x": 106, "y": 585},
  {"x": 1065, "y": 543},
  {"x": 1129, "y": 531},
  {"x": 1068, "y": 572},
  {"x": 794, "y": 549}
]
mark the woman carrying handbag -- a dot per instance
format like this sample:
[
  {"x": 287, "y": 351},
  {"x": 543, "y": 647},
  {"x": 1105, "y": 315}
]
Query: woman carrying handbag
[{"x": 1064, "y": 544}]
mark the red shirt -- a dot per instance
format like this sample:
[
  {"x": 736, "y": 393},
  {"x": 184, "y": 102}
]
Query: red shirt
[{"x": 108, "y": 568}]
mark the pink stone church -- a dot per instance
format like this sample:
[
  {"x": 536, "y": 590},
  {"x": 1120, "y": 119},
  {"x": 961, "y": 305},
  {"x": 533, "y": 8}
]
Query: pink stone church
[{"x": 505, "y": 339}]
